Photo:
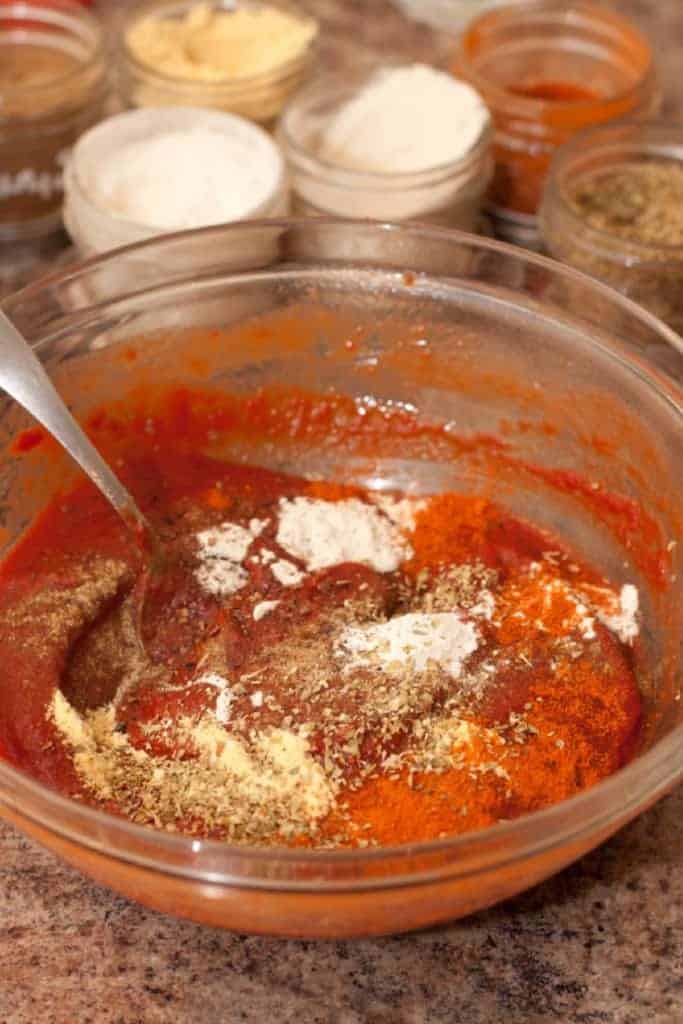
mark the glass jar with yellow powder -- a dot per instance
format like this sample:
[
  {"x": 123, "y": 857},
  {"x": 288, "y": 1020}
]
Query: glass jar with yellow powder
[{"x": 246, "y": 58}]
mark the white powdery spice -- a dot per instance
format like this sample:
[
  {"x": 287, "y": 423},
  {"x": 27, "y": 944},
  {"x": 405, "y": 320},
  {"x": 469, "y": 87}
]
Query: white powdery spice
[
  {"x": 405, "y": 119},
  {"x": 187, "y": 178},
  {"x": 221, "y": 578},
  {"x": 263, "y": 608},
  {"x": 413, "y": 640},
  {"x": 287, "y": 573},
  {"x": 224, "y": 699},
  {"x": 623, "y": 620},
  {"x": 223, "y": 707},
  {"x": 229, "y": 540},
  {"x": 222, "y": 550},
  {"x": 586, "y": 621},
  {"x": 263, "y": 557},
  {"x": 325, "y": 533},
  {"x": 401, "y": 511}
]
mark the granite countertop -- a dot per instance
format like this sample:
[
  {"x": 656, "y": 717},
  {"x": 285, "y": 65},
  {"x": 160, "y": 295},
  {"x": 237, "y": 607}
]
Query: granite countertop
[{"x": 601, "y": 942}]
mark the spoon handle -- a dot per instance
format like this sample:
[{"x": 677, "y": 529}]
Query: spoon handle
[{"x": 23, "y": 377}]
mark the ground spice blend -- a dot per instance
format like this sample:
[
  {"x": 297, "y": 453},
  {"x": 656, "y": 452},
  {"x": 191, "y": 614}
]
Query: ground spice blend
[
  {"x": 320, "y": 665},
  {"x": 613, "y": 207}
]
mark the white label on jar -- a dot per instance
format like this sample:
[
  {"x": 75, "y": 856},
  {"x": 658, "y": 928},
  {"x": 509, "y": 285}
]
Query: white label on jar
[{"x": 30, "y": 182}]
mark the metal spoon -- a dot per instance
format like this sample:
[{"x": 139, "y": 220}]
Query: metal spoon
[{"x": 22, "y": 376}]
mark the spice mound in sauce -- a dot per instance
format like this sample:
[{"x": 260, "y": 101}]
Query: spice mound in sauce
[{"x": 320, "y": 665}]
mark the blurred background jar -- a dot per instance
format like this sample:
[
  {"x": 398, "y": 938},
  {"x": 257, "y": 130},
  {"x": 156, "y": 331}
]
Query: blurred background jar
[
  {"x": 613, "y": 207},
  {"x": 400, "y": 142},
  {"x": 547, "y": 69},
  {"x": 450, "y": 16},
  {"x": 147, "y": 172},
  {"x": 246, "y": 59},
  {"x": 53, "y": 85}
]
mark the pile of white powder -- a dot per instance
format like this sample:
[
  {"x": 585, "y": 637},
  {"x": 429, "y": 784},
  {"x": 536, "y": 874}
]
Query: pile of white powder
[
  {"x": 415, "y": 639},
  {"x": 318, "y": 533},
  {"x": 405, "y": 119}
]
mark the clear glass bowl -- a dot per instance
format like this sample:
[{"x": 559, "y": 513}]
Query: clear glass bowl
[{"x": 512, "y": 337}]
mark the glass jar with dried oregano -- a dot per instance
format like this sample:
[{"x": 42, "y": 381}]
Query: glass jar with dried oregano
[{"x": 613, "y": 207}]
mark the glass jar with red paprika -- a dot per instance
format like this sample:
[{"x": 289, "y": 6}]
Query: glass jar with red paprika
[{"x": 548, "y": 68}]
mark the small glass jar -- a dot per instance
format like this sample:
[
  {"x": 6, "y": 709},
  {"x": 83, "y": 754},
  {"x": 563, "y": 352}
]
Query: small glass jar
[
  {"x": 95, "y": 227},
  {"x": 258, "y": 97},
  {"x": 53, "y": 85},
  {"x": 650, "y": 274},
  {"x": 548, "y": 68},
  {"x": 449, "y": 194},
  {"x": 449, "y": 16}
]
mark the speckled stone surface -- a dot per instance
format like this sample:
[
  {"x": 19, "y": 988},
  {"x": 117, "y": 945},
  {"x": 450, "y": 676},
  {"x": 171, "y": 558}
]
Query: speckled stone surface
[{"x": 599, "y": 944}]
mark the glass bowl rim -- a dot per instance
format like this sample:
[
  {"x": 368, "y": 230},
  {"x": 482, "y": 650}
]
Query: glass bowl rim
[{"x": 616, "y": 799}]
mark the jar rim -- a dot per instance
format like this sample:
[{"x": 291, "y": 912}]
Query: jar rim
[
  {"x": 529, "y": 107},
  {"x": 342, "y": 86},
  {"x": 223, "y": 85},
  {"x": 66, "y": 14},
  {"x": 637, "y": 136}
]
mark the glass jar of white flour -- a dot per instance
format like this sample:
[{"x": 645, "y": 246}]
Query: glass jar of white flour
[{"x": 394, "y": 143}]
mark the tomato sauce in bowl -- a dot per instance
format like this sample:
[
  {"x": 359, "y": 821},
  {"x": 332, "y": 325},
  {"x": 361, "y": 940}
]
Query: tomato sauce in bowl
[
  {"x": 322, "y": 665},
  {"x": 510, "y": 394}
]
